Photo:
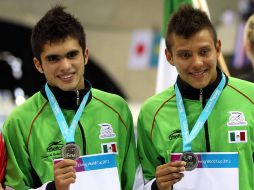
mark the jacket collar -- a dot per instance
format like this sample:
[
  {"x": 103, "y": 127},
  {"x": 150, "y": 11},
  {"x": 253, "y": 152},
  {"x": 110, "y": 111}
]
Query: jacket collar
[
  {"x": 189, "y": 92},
  {"x": 68, "y": 99}
]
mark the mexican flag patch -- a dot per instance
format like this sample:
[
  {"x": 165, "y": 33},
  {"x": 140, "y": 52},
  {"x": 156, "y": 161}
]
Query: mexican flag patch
[
  {"x": 237, "y": 136},
  {"x": 109, "y": 147}
]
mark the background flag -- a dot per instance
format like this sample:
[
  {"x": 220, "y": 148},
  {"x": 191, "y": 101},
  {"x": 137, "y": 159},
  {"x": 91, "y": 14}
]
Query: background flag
[
  {"x": 166, "y": 74},
  {"x": 141, "y": 48}
]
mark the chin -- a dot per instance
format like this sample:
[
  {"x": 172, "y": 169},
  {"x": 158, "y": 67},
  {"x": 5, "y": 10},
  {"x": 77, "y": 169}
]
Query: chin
[
  {"x": 199, "y": 83},
  {"x": 201, "y": 86},
  {"x": 67, "y": 87}
]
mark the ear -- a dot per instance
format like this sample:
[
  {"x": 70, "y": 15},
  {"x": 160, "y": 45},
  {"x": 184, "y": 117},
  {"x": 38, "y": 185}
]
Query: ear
[
  {"x": 218, "y": 47},
  {"x": 37, "y": 65},
  {"x": 169, "y": 57},
  {"x": 86, "y": 56}
]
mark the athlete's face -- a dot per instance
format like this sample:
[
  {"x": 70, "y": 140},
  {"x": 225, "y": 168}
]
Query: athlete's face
[
  {"x": 195, "y": 58},
  {"x": 63, "y": 64}
]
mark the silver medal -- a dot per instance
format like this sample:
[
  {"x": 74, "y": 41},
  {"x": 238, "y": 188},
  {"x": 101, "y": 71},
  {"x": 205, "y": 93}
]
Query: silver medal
[
  {"x": 71, "y": 151},
  {"x": 191, "y": 160}
]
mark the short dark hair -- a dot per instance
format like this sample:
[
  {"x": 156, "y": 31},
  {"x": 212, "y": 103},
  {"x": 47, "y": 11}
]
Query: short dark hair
[
  {"x": 54, "y": 26},
  {"x": 186, "y": 22}
]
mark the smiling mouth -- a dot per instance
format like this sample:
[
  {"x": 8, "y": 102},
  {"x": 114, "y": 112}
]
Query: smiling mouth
[
  {"x": 66, "y": 77},
  {"x": 198, "y": 73}
]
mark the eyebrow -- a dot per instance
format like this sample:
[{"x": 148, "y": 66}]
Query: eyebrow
[
  {"x": 57, "y": 55},
  {"x": 182, "y": 51},
  {"x": 205, "y": 46},
  {"x": 73, "y": 51},
  {"x": 52, "y": 56}
]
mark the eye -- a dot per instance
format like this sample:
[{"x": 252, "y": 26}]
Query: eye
[
  {"x": 53, "y": 58},
  {"x": 72, "y": 54},
  {"x": 204, "y": 51},
  {"x": 184, "y": 54}
]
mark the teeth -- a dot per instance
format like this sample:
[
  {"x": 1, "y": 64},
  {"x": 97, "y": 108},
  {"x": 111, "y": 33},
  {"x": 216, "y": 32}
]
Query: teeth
[
  {"x": 66, "y": 76},
  {"x": 198, "y": 73}
]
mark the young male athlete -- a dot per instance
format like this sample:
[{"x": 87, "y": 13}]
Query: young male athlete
[
  {"x": 66, "y": 115},
  {"x": 204, "y": 113}
]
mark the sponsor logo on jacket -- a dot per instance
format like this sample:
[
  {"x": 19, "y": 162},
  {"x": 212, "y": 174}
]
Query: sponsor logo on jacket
[
  {"x": 175, "y": 134},
  {"x": 54, "y": 150},
  {"x": 55, "y": 146}
]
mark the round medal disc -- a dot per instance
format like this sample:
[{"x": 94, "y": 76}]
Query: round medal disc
[
  {"x": 191, "y": 160},
  {"x": 71, "y": 151}
]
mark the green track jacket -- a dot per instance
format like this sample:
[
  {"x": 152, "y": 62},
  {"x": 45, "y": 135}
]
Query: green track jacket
[{"x": 159, "y": 132}]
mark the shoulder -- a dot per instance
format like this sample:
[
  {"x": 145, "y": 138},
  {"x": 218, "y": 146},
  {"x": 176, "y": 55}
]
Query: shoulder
[
  {"x": 33, "y": 102},
  {"x": 27, "y": 110},
  {"x": 113, "y": 106},
  {"x": 109, "y": 99},
  {"x": 241, "y": 87},
  {"x": 157, "y": 101},
  {"x": 154, "y": 107}
]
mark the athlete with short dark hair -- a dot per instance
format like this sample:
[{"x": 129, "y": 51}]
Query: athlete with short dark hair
[
  {"x": 35, "y": 132},
  {"x": 171, "y": 121}
]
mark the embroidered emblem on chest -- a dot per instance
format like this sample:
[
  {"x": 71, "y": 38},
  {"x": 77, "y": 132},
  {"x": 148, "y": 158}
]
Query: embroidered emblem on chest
[
  {"x": 109, "y": 147},
  {"x": 106, "y": 131},
  {"x": 236, "y": 118},
  {"x": 237, "y": 136}
]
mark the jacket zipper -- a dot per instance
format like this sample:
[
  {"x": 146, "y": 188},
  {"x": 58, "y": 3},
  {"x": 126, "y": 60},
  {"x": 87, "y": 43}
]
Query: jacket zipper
[
  {"x": 80, "y": 125},
  {"x": 201, "y": 95},
  {"x": 77, "y": 98},
  {"x": 202, "y": 100}
]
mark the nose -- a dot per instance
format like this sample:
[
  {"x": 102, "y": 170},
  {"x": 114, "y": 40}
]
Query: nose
[
  {"x": 65, "y": 64},
  {"x": 197, "y": 61}
]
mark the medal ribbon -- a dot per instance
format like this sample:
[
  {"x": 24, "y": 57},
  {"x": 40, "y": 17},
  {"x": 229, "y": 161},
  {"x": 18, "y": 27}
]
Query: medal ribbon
[
  {"x": 67, "y": 132},
  {"x": 186, "y": 136}
]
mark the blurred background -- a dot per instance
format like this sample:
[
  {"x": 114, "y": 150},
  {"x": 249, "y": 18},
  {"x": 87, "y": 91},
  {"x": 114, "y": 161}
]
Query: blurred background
[{"x": 123, "y": 37}]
